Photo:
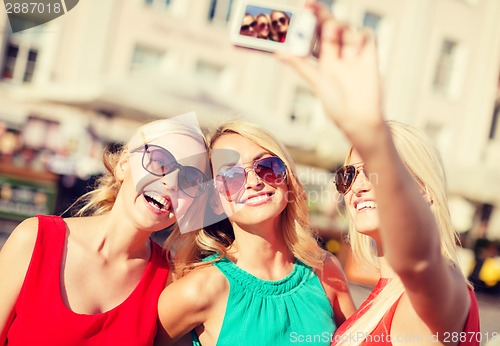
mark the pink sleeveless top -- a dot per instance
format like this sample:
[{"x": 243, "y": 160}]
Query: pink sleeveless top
[
  {"x": 42, "y": 318},
  {"x": 379, "y": 336}
]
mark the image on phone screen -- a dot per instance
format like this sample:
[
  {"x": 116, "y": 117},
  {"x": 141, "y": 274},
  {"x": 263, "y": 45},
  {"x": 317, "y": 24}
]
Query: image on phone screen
[{"x": 265, "y": 24}]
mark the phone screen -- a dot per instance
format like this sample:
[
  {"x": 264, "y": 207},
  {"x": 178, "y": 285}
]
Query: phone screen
[{"x": 265, "y": 24}]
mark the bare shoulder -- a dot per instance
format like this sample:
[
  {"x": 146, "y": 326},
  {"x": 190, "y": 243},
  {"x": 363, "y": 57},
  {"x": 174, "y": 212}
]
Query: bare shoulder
[
  {"x": 209, "y": 276},
  {"x": 190, "y": 301},
  {"x": 17, "y": 251},
  {"x": 22, "y": 239},
  {"x": 15, "y": 258},
  {"x": 332, "y": 276},
  {"x": 332, "y": 269},
  {"x": 201, "y": 287},
  {"x": 336, "y": 287}
]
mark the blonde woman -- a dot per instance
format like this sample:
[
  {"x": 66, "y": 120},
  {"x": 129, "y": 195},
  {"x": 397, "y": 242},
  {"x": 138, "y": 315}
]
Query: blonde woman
[
  {"x": 263, "y": 26},
  {"x": 248, "y": 26},
  {"x": 95, "y": 280},
  {"x": 394, "y": 190},
  {"x": 259, "y": 278}
]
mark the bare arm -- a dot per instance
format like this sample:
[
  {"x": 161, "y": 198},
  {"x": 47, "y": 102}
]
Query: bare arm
[
  {"x": 187, "y": 303},
  {"x": 411, "y": 243},
  {"x": 336, "y": 288},
  {"x": 14, "y": 261},
  {"x": 347, "y": 81}
]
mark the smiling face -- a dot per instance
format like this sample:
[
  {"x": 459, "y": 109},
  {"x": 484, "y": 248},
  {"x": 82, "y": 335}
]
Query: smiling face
[
  {"x": 263, "y": 26},
  {"x": 162, "y": 181},
  {"x": 360, "y": 199},
  {"x": 258, "y": 201},
  {"x": 280, "y": 22},
  {"x": 248, "y": 26}
]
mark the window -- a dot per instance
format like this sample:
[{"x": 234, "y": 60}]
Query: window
[
  {"x": 146, "y": 59},
  {"x": 21, "y": 50},
  {"x": 164, "y": 3},
  {"x": 19, "y": 62},
  {"x": 372, "y": 20},
  {"x": 30, "y": 65},
  {"x": 10, "y": 61},
  {"x": 303, "y": 107},
  {"x": 328, "y": 3},
  {"x": 208, "y": 71},
  {"x": 445, "y": 66},
  {"x": 451, "y": 67},
  {"x": 173, "y": 8},
  {"x": 220, "y": 10}
]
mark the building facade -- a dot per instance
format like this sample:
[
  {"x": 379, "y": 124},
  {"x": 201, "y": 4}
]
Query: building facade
[{"x": 91, "y": 76}]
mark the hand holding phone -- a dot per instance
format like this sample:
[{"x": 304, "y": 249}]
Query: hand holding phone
[{"x": 346, "y": 72}]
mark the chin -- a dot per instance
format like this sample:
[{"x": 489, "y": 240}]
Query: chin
[
  {"x": 368, "y": 232},
  {"x": 366, "y": 227},
  {"x": 253, "y": 219}
]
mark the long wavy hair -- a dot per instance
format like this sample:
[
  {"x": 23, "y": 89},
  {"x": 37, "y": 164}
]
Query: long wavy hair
[
  {"x": 424, "y": 163},
  {"x": 101, "y": 199},
  {"x": 217, "y": 238}
]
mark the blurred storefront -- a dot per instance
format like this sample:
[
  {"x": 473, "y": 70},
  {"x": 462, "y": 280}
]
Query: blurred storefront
[{"x": 39, "y": 152}]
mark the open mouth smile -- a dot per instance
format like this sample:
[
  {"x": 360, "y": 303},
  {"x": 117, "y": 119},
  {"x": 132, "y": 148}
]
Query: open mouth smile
[{"x": 159, "y": 202}]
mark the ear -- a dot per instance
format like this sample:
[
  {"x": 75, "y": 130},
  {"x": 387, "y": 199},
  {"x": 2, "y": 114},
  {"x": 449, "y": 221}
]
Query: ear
[{"x": 122, "y": 166}]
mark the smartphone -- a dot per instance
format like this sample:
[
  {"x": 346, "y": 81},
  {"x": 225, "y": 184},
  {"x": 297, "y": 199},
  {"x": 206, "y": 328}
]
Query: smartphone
[{"x": 273, "y": 27}]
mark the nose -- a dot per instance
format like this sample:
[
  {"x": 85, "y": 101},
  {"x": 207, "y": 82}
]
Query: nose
[
  {"x": 171, "y": 180},
  {"x": 361, "y": 183},
  {"x": 253, "y": 181}
]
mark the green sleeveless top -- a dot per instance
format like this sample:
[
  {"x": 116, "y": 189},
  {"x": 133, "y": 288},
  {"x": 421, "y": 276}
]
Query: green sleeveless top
[{"x": 289, "y": 311}]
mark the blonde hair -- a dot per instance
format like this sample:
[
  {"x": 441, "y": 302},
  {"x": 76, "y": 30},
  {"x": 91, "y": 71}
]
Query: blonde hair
[
  {"x": 100, "y": 200},
  {"x": 423, "y": 162},
  {"x": 268, "y": 20},
  {"x": 263, "y": 15},
  {"x": 216, "y": 239}
]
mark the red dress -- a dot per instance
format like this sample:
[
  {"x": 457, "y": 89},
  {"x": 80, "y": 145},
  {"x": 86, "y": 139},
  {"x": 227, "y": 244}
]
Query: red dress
[
  {"x": 42, "y": 318},
  {"x": 379, "y": 335}
]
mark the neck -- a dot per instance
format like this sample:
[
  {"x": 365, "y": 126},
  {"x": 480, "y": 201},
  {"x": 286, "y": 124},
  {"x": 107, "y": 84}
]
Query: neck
[
  {"x": 113, "y": 237},
  {"x": 261, "y": 251},
  {"x": 385, "y": 269}
]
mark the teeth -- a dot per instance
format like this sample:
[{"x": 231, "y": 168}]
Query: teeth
[
  {"x": 167, "y": 205},
  {"x": 367, "y": 204},
  {"x": 258, "y": 198},
  {"x": 157, "y": 201}
]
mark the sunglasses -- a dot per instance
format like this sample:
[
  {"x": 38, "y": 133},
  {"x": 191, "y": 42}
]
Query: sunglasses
[
  {"x": 160, "y": 162},
  {"x": 263, "y": 26},
  {"x": 271, "y": 170},
  {"x": 345, "y": 177},
  {"x": 281, "y": 20},
  {"x": 248, "y": 26}
]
